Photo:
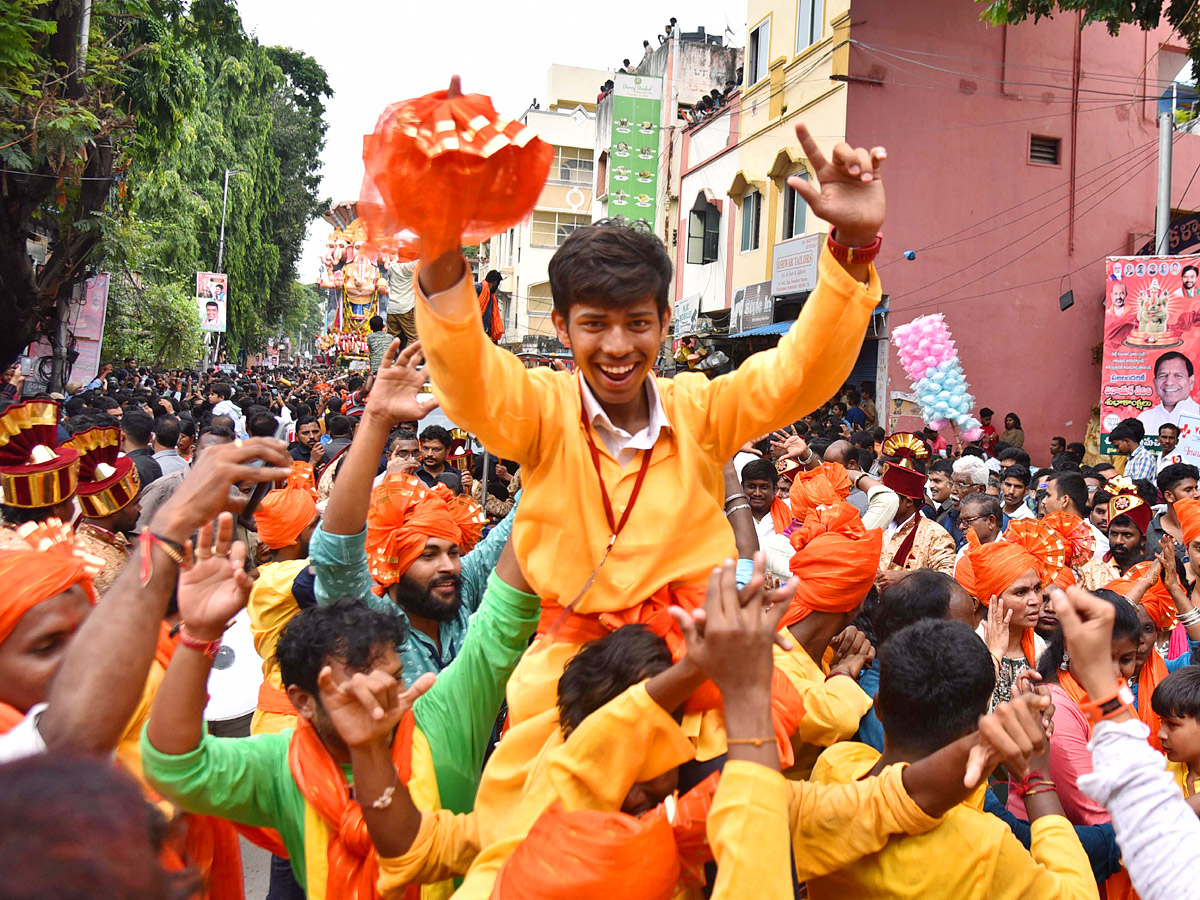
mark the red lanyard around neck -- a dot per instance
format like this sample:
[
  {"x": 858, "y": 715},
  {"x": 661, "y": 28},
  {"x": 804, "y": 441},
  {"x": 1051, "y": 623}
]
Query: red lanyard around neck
[{"x": 614, "y": 526}]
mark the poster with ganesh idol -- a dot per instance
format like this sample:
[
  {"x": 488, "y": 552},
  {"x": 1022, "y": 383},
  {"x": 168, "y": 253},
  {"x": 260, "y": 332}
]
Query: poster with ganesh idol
[{"x": 1151, "y": 343}]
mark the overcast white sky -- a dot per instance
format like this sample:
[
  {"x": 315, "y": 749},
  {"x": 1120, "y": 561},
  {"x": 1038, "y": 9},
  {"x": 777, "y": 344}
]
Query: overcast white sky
[{"x": 379, "y": 51}]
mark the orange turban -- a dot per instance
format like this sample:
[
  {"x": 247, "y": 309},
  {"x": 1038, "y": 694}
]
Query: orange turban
[
  {"x": 1081, "y": 541},
  {"x": 51, "y": 566},
  {"x": 836, "y": 560},
  {"x": 1044, "y": 544},
  {"x": 1157, "y": 601},
  {"x": 303, "y": 476},
  {"x": 1188, "y": 512},
  {"x": 591, "y": 855},
  {"x": 283, "y": 515},
  {"x": 405, "y": 514},
  {"x": 994, "y": 567},
  {"x": 814, "y": 488}
]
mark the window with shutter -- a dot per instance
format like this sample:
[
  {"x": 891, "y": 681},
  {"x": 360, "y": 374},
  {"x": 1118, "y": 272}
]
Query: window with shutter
[{"x": 1044, "y": 150}]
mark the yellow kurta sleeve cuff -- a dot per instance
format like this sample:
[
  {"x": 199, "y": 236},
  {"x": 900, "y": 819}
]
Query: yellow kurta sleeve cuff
[
  {"x": 831, "y": 272},
  {"x": 909, "y": 816},
  {"x": 444, "y": 847}
]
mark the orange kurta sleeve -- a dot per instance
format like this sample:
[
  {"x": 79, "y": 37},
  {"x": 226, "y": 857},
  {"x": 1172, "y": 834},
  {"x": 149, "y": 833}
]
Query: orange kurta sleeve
[
  {"x": 835, "y": 825},
  {"x": 748, "y": 832},
  {"x": 808, "y": 366}
]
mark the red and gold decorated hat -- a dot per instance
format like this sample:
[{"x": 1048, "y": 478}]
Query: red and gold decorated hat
[
  {"x": 108, "y": 482},
  {"x": 901, "y": 475},
  {"x": 786, "y": 467},
  {"x": 34, "y": 471},
  {"x": 1126, "y": 502}
]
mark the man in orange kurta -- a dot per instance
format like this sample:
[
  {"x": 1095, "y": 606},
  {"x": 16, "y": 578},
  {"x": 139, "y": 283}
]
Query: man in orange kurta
[{"x": 622, "y": 511}]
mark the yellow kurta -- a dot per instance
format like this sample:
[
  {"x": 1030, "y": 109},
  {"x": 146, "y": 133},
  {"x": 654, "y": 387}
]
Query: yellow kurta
[
  {"x": 1179, "y": 771},
  {"x": 832, "y": 709},
  {"x": 971, "y": 855},
  {"x": 534, "y": 416},
  {"x": 628, "y": 740},
  {"x": 270, "y": 608},
  {"x": 748, "y": 833}
]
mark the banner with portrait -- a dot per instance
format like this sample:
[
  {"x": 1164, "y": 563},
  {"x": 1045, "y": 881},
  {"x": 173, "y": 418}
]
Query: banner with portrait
[
  {"x": 1151, "y": 342},
  {"x": 212, "y": 298}
]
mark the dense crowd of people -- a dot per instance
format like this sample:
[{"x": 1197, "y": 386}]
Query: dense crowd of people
[{"x": 701, "y": 636}]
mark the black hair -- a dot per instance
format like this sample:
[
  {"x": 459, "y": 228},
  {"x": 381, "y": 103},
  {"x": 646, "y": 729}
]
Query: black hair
[
  {"x": 1016, "y": 454},
  {"x": 437, "y": 433},
  {"x": 987, "y": 411},
  {"x": 221, "y": 389},
  {"x": 1169, "y": 477},
  {"x": 604, "y": 669},
  {"x": 187, "y": 426},
  {"x": 1019, "y": 472},
  {"x": 1178, "y": 694},
  {"x": 1147, "y": 490},
  {"x": 988, "y": 505},
  {"x": 971, "y": 450},
  {"x": 1170, "y": 425},
  {"x": 348, "y": 631},
  {"x": 1128, "y": 430},
  {"x": 1016, "y": 420},
  {"x": 944, "y": 466},
  {"x": 166, "y": 431},
  {"x": 1073, "y": 485},
  {"x": 376, "y": 323},
  {"x": 925, "y": 594},
  {"x": 1167, "y": 357},
  {"x": 262, "y": 424},
  {"x": 19, "y": 515},
  {"x": 935, "y": 681},
  {"x": 138, "y": 425},
  {"x": 1077, "y": 450},
  {"x": 400, "y": 434},
  {"x": 1065, "y": 462},
  {"x": 224, "y": 432},
  {"x": 1059, "y": 439},
  {"x": 1191, "y": 268},
  {"x": 1100, "y": 498},
  {"x": 306, "y": 420},
  {"x": 1125, "y": 625},
  {"x": 614, "y": 262},
  {"x": 760, "y": 470},
  {"x": 339, "y": 426}
]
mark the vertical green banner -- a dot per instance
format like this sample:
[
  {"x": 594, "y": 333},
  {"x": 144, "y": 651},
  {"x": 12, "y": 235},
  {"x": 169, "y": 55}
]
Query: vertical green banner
[{"x": 633, "y": 159}]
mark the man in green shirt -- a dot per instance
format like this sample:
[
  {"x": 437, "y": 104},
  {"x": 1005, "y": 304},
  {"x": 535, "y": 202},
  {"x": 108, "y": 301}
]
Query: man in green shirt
[{"x": 288, "y": 781}]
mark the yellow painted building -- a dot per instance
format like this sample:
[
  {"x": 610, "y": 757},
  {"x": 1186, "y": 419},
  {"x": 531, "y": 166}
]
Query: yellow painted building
[{"x": 792, "y": 55}]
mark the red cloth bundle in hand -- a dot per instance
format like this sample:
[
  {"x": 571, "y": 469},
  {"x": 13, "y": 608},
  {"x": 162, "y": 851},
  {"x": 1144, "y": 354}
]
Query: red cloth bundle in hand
[{"x": 451, "y": 170}]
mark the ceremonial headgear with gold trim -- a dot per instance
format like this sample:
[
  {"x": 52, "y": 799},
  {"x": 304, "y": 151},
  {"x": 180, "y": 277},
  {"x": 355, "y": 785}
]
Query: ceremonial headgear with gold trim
[
  {"x": 108, "y": 482},
  {"x": 902, "y": 475},
  {"x": 34, "y": 471},
  {"x": 1127, "y": 502}
]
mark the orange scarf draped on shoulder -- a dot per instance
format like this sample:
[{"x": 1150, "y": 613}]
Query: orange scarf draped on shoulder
[
  {"x": 487, "y": 298},
  {"x": 781, "y": 515},
  {"x": 353, "y": 866}
]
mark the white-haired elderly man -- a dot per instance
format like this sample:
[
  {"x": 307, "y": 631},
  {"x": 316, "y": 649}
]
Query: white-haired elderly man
[{"x": 970, "y": 477}]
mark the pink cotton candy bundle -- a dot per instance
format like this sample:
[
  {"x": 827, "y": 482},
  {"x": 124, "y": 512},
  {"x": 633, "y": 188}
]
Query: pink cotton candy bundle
[{"x": 931, "y": 361}]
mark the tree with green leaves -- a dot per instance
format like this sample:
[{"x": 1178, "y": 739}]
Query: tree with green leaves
[
  {"x": 1183, "y": 15},
  {"x": 76, "y": 116}
]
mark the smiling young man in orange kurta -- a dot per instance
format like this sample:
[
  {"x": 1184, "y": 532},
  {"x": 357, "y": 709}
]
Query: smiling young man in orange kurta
[{"x": 623, "y": 489}]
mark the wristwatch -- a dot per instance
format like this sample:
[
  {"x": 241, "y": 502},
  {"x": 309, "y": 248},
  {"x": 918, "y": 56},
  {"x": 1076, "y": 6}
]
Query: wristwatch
[
  {"x": 1110, "y": 707},
  {"x": 845, "y": 254}
]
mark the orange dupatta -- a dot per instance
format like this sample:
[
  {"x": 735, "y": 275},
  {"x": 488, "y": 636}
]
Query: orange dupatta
[
  {"x": 353, "y": 865},
  {"x": 781, "y": 515}
]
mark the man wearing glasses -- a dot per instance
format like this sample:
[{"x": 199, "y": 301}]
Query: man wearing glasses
[{"x": 970, "y": 477}]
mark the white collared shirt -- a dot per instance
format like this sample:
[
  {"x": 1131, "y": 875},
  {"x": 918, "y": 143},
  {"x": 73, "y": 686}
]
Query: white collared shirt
[{"x": 620, "y": 443}]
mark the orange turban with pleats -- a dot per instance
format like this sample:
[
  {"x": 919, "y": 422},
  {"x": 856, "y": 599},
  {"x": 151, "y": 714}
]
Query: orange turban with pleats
[
  {"x": 1044, "y": 544},
  {"x": 1188, "y": 513},
  {"x": 1081, "y": 541},
  {"x": 814, "y": 488},
  {"x": 404, "y": 514},
  {"x": 51, "y": 566},
  {"x": 836, "y": 560},
  {"x": 303, "y": 477},
  {"x": 283, "y": 515},
  {"x": 991, "y": 569},
  {"x": 587, "y": 854}
]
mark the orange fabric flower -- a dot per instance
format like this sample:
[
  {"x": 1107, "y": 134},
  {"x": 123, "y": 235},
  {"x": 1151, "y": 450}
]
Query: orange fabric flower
[
  {"x": 1044, "y": 544},
  {"x": 404, "y": 514},
  {"x": 1081, "y": 541},
  {"x": 451, "y": 170},
  {"x": 814, "y": 488},
  {"x": 283, "y": 515},
  {"x": 1157, "y": 601},
  {"x": 836, "y": 560}
]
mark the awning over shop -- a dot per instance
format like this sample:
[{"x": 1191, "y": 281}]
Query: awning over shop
[{"x": 774, "y": 328}]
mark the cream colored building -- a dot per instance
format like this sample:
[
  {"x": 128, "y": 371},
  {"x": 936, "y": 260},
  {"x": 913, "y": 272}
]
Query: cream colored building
[
  {"x": 567, "y": 121},
  {"x": 789, "y": 77}
]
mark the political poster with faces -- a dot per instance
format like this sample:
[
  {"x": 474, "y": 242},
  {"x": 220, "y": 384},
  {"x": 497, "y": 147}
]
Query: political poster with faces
[{"x": 1151, "y": 343}]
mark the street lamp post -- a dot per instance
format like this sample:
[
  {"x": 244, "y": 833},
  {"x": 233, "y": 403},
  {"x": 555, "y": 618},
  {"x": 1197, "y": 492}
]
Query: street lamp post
[{"x": 216, "y": 342}]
